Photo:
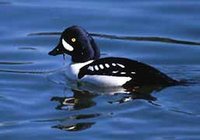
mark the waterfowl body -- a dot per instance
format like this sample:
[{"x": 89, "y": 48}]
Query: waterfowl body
[{"x": 87, "y": 66}]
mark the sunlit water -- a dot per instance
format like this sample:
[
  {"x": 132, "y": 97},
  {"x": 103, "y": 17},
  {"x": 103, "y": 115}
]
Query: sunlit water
[{"x": 36, "y": 101}]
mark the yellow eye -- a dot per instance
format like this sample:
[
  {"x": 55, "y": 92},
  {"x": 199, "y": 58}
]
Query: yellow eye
[{"x": 73, "y": 39}]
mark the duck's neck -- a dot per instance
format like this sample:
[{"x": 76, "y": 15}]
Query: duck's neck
[
  {"x": 76, "y": 59},
  {"x": 90, "y": 53},
  {"x": 82, "y": 63},
  {"x": 80, "y": 59}
]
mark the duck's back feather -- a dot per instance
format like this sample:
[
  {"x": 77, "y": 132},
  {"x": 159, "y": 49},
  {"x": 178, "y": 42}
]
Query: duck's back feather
[{"x": 140, "y": 73}]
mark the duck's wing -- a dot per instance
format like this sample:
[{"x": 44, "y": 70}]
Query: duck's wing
[
  {"x": 110, "y": 66},
  {"x": 114, "y": 66}
]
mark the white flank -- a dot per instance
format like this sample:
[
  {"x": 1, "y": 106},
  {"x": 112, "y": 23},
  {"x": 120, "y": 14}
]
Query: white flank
[
  {"x": 106, "y": 81},
  {"x": 67, "y": 46}
]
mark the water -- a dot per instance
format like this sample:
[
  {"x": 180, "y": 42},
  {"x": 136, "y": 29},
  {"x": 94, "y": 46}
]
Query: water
[{"x": 34, "y": 106}]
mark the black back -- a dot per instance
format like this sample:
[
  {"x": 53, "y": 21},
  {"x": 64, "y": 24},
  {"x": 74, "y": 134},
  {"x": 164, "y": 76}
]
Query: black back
[{"x": 140, "y": 73}]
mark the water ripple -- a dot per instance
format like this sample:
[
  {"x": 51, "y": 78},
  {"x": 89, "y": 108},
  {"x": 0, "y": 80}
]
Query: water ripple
[
  {"x": 15, "y": 63},
  {"x": 129, "y": 38}
]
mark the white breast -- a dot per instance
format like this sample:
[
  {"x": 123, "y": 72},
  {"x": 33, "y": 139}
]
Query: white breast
[
  {"x": 98, "y": 80},
  {"x": 73, "y": 69}
]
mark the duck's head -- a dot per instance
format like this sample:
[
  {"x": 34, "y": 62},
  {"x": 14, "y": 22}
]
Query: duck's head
[{"x": 77, "y": 43}]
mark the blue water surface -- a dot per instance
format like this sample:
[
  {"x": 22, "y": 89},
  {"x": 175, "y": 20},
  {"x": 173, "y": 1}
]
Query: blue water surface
[{"x": 35, "y": 101}]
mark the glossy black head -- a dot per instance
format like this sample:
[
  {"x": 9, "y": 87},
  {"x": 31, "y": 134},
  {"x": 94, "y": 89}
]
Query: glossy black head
[{"x": 77, "y": 43}]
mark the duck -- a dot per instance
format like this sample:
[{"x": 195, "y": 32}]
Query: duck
[{"x": 88, "y": 67}]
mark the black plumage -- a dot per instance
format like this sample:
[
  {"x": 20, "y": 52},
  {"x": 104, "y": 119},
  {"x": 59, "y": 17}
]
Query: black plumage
[
  {"x": 140, "y": 73},
  {"x": 85, "y": 49}
]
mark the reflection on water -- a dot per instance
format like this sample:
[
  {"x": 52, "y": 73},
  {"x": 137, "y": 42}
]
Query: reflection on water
[
  {"x": 140, "y": 93},
  {"x": 81, "y": 100},
  {"x": 4, "y": 2},
  {"x": 130, "y": 38},
  {"x": 75, "y": 127},
  {"x": 15, "y": 63},
  {"x": 163, "y": 34}
]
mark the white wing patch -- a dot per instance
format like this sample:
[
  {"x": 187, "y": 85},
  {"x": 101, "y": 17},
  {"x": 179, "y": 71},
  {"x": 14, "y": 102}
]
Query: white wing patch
[
  {"x": 122, "y": 66},
  {"x": 115, "y": 72},
  {"x": 133, "y": 72},
  {"x": 101, "y": 66},
  {"x": 123, "y": 73},
  {"x": 91, "y": 68},
  {"x": 107, "y": 65},
  {"x": 96, "y": 67},
  {"x": 113, "y": 64},
  {"x": 67, "y": 46}
]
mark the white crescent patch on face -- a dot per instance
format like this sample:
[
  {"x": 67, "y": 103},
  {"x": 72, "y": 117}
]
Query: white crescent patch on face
[{"x": 67, "y": 46}]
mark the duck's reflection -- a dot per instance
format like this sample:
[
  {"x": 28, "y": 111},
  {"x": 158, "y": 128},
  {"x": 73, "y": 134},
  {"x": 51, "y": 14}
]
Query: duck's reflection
[
  {"x": 84, "y": 99},
  {"x": 144, "y": 93},
  {"x": 79, "y": 100},
  {"x": 75, "y": 127}
]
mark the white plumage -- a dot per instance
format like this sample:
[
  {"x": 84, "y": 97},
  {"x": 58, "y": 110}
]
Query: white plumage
[
  {"x": 106, "y": 81},
  {"x": 98, "y": 80}
]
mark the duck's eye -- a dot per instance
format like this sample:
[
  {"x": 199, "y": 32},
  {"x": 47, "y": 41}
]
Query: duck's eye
[{"x": 73, "y": 39}]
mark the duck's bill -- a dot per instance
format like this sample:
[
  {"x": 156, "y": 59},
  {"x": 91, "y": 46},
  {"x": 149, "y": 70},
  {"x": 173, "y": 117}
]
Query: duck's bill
[{"x": 56, "y": 51}]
